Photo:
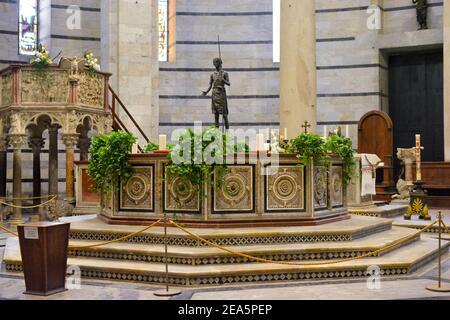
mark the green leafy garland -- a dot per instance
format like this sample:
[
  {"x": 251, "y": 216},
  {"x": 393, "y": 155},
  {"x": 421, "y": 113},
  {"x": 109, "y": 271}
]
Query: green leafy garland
[
  {"x": 309, "y": 147},
  {"x": 312, "y": 147},
  {"x": 343, "y": 147},
  {"x": 109, "y": 160}
]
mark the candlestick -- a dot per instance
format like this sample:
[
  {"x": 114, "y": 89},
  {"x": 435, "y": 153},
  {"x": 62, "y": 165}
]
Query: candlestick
[
  {"x": 418, "y": 159},
  {"x": 162, "y": 142}
]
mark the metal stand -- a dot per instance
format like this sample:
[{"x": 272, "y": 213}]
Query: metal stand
[
  {"x": 439, "y": 287},
  {"x": 168, "y": 292}
]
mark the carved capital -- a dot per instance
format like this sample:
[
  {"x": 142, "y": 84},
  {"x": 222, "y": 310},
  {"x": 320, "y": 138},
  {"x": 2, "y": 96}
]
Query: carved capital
[
  {"x": 3, "y": 144},
  {"x": 408, "y": 156},
  {"x": 36, "y": 144},
  {"x": 17, "y": 141},
  {"x": 70, "y": 140}
]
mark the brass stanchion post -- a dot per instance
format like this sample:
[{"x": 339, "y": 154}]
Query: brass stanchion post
[
  {"x": 167, "y": 292},
  {"x": 439, "y": 287}
]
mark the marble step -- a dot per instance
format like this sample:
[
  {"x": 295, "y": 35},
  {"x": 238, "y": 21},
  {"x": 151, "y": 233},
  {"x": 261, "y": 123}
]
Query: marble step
[
  {"x": 347, "y": 230},
  {"x": 399, "y": 262},
  {"x": 211, "y": 255}
]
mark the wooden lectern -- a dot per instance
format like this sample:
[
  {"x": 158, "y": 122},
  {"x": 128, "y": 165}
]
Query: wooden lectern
[{"x": 43, "y": 247}]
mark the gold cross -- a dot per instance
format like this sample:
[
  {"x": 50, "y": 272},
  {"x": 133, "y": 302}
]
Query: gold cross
[{"x": 306, "y": 126}]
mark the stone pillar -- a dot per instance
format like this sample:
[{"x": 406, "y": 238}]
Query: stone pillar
[
  {"x": 84, "y": 143},
  {"x": 36, "y": 145},
  {"x": 446, "y": 18},
  {"x": 298, "y": 78},
  {"x": 70, "y": 140},
  {"x": 17, "y": 141},
  {"x": 129, "y": 33},
  {"x": 3, "y": 167},
  {"x": 53, "y": 161}
]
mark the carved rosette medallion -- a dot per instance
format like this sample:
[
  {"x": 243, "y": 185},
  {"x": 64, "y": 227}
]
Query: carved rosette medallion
[
  {"x": 137, "y": 192},
  {"x": 285, "y": 190},
  {"x": 320, "y": 188},
  {"x": 181, "y": 196},
  {"x": 236, "y": 191},
  {"x": 337, "y": 191},
  {"x": 45, "y": 86},
  {"x": 91, "y": 87},
  {"x": 6, "y": 90}
]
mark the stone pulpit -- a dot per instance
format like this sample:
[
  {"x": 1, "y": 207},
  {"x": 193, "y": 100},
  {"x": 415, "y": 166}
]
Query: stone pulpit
[{"x": 60, "y": 97}]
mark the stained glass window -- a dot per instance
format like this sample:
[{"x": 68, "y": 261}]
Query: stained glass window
[
  {"x": 163, "y": 30},
  {"x": 28, "y": 27}
]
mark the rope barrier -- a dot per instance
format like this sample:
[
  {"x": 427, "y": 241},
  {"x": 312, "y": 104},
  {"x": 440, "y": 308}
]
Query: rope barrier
[
  {"x": 28, "y": 207},
  {"x": 9, "y": 231},
  {"x": 116, "y": 240},
  {"x": 30, "y": 198},
  {"x": 370, "y": 254}
]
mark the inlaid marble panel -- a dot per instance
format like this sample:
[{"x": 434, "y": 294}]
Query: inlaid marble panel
[
  {"x": 138, "y": 192},
  {"x": 320, "y": 188},
  {"x": 285, "y": 190},
  {"x": 180, "y": 195},
  {"x": 236, "y": 191},
  {"x": 337, "y": 191}
]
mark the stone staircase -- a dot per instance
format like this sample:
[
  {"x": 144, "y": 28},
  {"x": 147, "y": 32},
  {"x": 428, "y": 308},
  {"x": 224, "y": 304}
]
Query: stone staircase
[{"x": 191, "y": 263}]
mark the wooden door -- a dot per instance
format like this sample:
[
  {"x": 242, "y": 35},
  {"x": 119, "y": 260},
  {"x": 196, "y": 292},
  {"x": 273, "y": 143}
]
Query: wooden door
[{"x": 416, "y": 102}]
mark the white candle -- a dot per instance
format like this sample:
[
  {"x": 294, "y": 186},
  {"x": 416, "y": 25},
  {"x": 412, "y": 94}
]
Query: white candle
[
  {"x": 325, "y": 128},
  {"x": 347, "y": 131},
  {"x": 260, "y": 142},
  {"x": 163, "y": 142},
  {"x": 135, "y": 150},
  {"x": 285, "y": 133}
]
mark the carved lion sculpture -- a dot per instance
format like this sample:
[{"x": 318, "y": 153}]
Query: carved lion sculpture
[
  {"x": 404, "y": 189},
  {"x": 57, "y": 209}
]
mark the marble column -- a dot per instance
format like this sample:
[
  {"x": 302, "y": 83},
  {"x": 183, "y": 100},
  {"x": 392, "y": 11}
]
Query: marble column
[
  {"x": 36, "y": 144},
  {"x": 17, "y": 141},
  {"x": 446, "y": 18},
  {"x": 298, "y": 78},
  {"x": 3, "y": 167},
  {"x": 53, "y": 161},
  {"x": 84, "y": 143},
  {"x": 70, "y": 141}
]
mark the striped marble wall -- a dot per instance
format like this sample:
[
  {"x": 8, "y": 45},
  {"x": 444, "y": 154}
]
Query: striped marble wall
[
  {"x": 352, "y": 71},
  {"x": 245, "y": 28}
]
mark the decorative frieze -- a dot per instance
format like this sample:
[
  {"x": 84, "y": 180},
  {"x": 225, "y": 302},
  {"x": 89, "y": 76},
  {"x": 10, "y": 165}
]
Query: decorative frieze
[{"x": 47, "y": 86}]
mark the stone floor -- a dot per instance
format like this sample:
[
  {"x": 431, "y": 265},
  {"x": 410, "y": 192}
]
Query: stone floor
[{"x": 404, "y": 287}]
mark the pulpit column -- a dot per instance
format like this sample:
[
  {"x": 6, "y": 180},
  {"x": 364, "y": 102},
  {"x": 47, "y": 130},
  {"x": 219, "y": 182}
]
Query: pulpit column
[
  {"x": 17, "y": 141},
  {"x": 53, "y": 161},
  {"x": 70, "y": 141},
  {"x": 298, "y": 87},
  {"x": 84, "y": 143},
  {"x": 3, "y": 167},
  {"x": 36, "y": 145}
]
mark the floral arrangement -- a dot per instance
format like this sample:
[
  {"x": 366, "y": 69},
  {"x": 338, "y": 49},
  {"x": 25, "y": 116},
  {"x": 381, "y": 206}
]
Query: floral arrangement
[
  {"x": 91, "y": 62},
  {"x": 42, "y": 59}
]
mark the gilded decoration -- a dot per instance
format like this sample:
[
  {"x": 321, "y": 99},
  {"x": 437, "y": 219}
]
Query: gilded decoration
[
  {"x": 285, "y": 189},
  {"x": 91, "y": 88},
  {"x": 320, "y": 187},
  {"x": 45, "y": 86},
  {"x": 180, "y": 195},
  {"x": 137, "y": 192},
  {"x": 236, "y": 192},
  {"x": 6, "y": 90},
  {"x": 337, "y": 194}
]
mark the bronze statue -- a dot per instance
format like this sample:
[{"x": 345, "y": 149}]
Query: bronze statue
[
  {"x": 219, "y": 105},
  {"x": 422, "y": 12}
]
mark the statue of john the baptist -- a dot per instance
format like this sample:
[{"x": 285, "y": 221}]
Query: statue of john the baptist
[{"x": 219, "y": 104}]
